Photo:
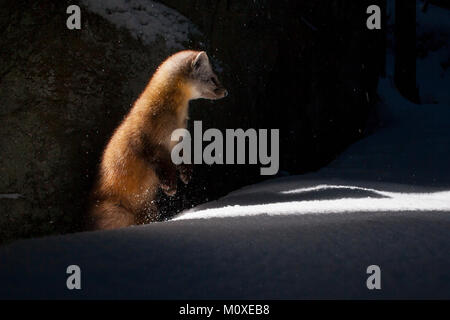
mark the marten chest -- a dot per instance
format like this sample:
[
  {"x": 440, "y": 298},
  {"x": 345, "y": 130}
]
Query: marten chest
[{"x": 177, "y": 121}]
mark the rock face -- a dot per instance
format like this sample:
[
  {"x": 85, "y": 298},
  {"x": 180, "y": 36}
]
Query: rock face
[
  {"x": 308, "y": 69},
  {"x": 62, "y": 93}
]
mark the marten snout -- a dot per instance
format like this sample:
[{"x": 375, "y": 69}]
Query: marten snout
[{"x": 221, "y": 92}]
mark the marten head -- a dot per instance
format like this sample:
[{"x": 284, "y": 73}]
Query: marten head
[{"x": 203, "y": 80}]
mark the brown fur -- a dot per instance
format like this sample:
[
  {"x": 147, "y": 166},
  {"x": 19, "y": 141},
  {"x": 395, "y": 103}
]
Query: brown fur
[{"x": 136, "y": 161}]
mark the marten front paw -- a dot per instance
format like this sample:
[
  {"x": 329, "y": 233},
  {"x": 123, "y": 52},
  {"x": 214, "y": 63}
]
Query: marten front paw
[
  {"x": 169, "y": 186},
  {"x": 185, "y": 172}
]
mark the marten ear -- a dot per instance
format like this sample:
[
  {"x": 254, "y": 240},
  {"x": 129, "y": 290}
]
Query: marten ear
[{"x": 199, "y": 60}]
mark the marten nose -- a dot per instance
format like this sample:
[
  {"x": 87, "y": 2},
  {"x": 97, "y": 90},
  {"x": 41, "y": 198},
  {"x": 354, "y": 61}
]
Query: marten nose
[{"x": 221, "y": 91}]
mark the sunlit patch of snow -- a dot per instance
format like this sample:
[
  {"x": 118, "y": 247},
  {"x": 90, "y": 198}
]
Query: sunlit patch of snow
[
  {"x": 393, "y": 202},
  {"x": 381, "y": 193}
]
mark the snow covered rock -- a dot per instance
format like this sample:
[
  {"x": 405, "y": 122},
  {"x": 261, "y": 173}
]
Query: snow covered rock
[{"x": 148, "y": 21}]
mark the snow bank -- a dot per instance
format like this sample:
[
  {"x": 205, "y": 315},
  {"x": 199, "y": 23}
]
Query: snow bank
[{"x": 283, "y": 257}]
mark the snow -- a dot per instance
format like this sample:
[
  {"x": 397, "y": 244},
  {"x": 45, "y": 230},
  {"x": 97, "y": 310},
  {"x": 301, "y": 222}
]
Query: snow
[
  {"x": 146, "y": 20},
  {"x": 384, "y": 201},
  {"x": 391, "y": 202}
]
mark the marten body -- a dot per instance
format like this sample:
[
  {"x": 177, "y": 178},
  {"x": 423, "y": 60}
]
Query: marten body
[{"x": 136, "y": 161}]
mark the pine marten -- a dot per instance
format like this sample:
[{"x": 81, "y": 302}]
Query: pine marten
[{"x": 136, "y": 161}]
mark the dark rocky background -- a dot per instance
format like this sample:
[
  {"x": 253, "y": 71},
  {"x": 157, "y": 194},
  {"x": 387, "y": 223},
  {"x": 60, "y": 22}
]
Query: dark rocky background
[{"x": 309, "y": 68}]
